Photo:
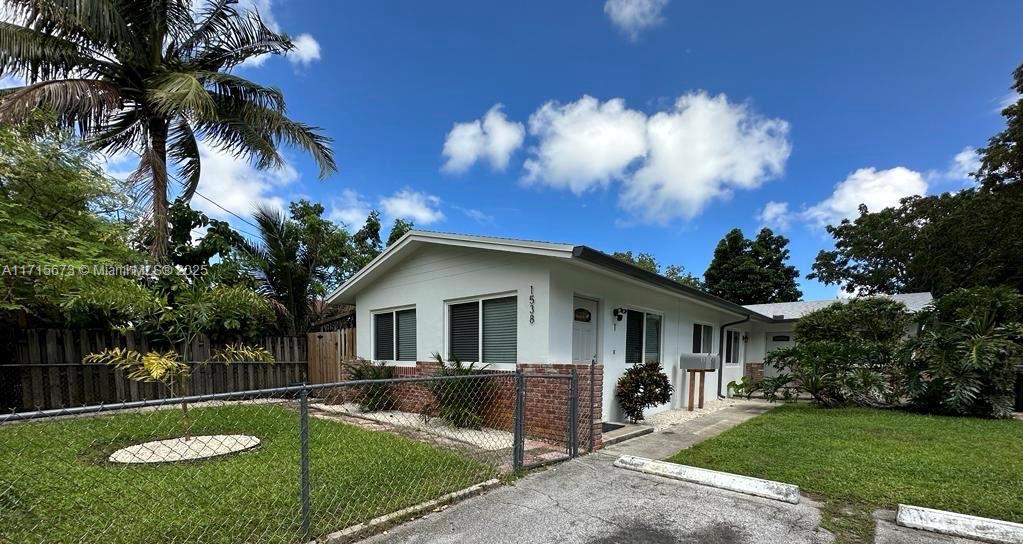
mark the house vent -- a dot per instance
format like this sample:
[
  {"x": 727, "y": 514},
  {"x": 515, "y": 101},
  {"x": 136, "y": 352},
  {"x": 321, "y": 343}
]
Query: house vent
[
  {"x": 697, "y": 360},
  {"x": 778, "y": 316}
]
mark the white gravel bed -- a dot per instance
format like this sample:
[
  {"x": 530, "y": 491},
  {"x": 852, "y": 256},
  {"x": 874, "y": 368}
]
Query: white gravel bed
[
  {"x": 484, "y": 438},
  {"x": 179, "y": 449},
  {"x": 670, "y": 418}
]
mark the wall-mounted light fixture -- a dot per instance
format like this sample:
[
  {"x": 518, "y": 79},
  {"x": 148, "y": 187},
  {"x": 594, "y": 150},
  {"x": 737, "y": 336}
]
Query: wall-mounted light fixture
[
  {"x": 619, "y": 313},
  {"x": 745, "y": 337}
]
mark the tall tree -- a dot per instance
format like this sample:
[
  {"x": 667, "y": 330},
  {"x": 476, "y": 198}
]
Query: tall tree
[
  {"x": 752, "y": 271},
  {"x": 152, "y": 78},
  {"x": 647, "y": 262},
  {"x": 943, "y": 242},
  {"x": 398, "y": 230}
]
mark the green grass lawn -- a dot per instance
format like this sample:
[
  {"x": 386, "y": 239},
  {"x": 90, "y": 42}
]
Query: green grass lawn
[
  {"x": 56, "y": 486},
  {"x": 860, "y": 459}
]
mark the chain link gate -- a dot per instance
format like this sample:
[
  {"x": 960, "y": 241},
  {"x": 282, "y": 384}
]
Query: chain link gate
[{"x": 288, "y": 464}]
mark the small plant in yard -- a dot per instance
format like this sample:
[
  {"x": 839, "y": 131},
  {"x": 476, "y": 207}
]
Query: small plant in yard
[
  {"x": 642, "y": 386},
  {"x": 169, "y": 370},
  {"x": 460, "y": 401},
  {"x": 372, "y": 396}
]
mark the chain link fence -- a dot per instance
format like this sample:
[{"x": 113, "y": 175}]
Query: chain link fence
[{"x": 294, "y": 464}]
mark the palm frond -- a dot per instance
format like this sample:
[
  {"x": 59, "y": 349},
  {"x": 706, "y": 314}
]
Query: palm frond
[
  {"x": 96, "y": 22},
  {"x": 213, "y": 20},
  {"x": 37, "y": 56},
  {"x": 184, "y": 150},
  {"x": 239, "y": 89},
  {"x": 242, "y": 38},
  {"x": 238, "y": 353},
  {"x": 77, "y": 102},
  {"x": 179, "y": 93}
]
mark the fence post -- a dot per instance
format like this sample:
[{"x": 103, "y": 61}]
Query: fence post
[
  {"x": 593, "y": 367},
  {"x": 303, "y": 431},
  {"x": 573, "y": 414},
  {"x": 520, "y": 415}
]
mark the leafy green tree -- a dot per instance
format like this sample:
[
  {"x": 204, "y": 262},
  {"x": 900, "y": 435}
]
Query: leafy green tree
[
  {"x": 59, "y": 214},
  {"x": 752, "y": 271},
  {"x": 1002, "y": 159},
  {"x": 398, "y": 230},
  {"x": 647, "y": 262},
  {"x": 943, "y": 242},
  {"x": 152, "y": 78}
]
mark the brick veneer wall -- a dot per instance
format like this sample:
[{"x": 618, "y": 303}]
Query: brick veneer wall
[
  {"x": 755, "y": 371},
  {"x": 546, "y": 400}
]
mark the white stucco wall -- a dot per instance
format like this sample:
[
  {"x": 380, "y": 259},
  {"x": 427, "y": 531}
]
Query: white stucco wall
[
  {"x": 568, "y": 280},
  {"x": 431, "y": 276}
]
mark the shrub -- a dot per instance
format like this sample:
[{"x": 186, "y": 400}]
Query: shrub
[
  {"x": 642, "y": 386},
  {"x": 460, "y": 402},
  {"x": 848, "y": 353},
  {"x": 963, "y": 362},
  {"x": 372, "y": 397}
]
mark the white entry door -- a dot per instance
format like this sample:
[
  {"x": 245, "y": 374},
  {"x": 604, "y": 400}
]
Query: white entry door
[
  {"x": 776, "y": 340},
  {"x": 584, "y": 330}
]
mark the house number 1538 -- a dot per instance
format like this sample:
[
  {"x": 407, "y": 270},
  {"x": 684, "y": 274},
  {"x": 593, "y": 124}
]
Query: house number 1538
[{"x": 532, "y": 306}]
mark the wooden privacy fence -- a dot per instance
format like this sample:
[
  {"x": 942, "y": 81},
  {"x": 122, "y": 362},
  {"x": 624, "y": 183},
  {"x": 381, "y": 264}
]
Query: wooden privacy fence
[
  {"x": 42, "y": 369},
  {"x": 328, "y": 352}
]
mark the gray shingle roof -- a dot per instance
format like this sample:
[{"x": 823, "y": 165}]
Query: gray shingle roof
[{"x": 793, "y": 310}]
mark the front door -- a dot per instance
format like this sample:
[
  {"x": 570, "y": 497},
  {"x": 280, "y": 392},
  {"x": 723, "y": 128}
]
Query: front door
[
  {"x": 776, "y": 340},
  {"x": 584, "y": 330}
]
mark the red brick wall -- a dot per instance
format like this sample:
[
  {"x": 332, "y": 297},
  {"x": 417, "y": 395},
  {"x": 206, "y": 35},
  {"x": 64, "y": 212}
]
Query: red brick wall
[
  {"x": 546, "y": 400},
  {"x": 755, "y": 371}
]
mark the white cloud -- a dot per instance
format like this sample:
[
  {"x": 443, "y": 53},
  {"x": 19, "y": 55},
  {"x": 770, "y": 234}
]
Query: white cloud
[
  {"x": 702, "y": 150},
  {"x": 307, "y": 49},
  {"x": 1008, "y": 100},
  {"x": 237, "y": 185},
  {"x": 493, "y": 139},
  {"x": 584, "y": 144},
  {"x": 351, "y": 209},
  {"x": 775, "y": 214},
  {"x": 421, "y": 208},
  {"x": 478, "y": 216},
  {"x": 634, "y": 16},
  {"x": 963, "y": 164},
  {"x": 877, "y": 189},
  {"x": 671, "y": 164}
]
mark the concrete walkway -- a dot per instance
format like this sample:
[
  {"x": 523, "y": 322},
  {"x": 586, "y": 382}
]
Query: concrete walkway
[{"x": 664, "y": 444}]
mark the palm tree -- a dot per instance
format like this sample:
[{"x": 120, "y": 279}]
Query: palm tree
[
  {"x": 152, "y": 77},
  {"x": 286, "y": 265}
]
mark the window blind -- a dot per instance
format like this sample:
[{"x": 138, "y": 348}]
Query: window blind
[
  {"x": 406, "y": 320},
  {"x": 634, "y": 337},
  {"x": 500, "y": 330},
  {"x": 464, "y": 331},
  {"x": 383, "y": 336}
]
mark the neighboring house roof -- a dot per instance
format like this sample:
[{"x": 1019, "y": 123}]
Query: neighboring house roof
[
  {"x": 794, "y": 310},
  {"x": 578, "y": 254}
]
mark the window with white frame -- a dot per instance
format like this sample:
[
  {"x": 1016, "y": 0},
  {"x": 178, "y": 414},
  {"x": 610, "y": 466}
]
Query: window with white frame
[
  {"x": 484, "y": 330},
  {"x": 703, "y": 338},
  {"x": 733, "y": 347},
  {"x": 642, "y": 337},
  {"x": 394, "y": 335}
]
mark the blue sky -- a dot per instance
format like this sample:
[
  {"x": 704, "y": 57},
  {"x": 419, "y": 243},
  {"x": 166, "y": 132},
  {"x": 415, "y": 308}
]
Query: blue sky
[{"x": 699, "y": 114}]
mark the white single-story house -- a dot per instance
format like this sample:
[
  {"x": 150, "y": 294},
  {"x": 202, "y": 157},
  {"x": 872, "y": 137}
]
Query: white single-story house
[{"x": 505, "y": 301}]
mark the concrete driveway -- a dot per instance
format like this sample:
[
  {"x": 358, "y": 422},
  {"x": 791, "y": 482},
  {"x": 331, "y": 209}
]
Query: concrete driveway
[{"x": 587, "y": 500}]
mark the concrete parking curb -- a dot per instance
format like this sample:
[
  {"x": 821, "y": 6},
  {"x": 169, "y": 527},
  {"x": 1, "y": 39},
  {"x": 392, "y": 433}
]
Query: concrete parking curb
[
  {"x": 962, "y": 525},
  {"x": 743, "y": 484}
]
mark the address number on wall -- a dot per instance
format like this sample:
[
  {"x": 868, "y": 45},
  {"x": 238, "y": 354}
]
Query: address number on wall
[{"x": 532, "y": 306}]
